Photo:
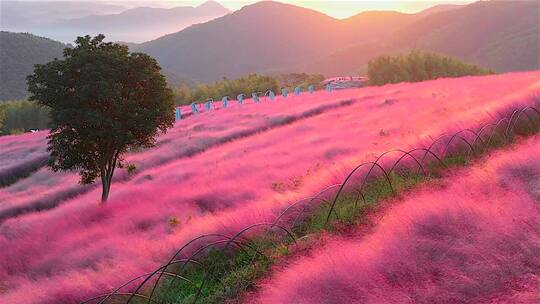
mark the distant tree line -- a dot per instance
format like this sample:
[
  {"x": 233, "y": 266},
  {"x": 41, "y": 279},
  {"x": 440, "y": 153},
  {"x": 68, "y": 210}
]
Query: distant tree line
[
  {"x": 292, "y": 80},
  {"x": 418, "y": 66},
  {"x": 254, "y": 83},
  {"x": 19, "y": 116}
]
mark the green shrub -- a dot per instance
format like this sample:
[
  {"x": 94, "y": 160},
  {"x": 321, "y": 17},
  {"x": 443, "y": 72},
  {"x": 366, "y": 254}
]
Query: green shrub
[
  {"x": 418, "y": 66},
  {"x": 188, "y": 93},
  {"x": 226, "y": 87},
  {"x": 292, "y": 80}
]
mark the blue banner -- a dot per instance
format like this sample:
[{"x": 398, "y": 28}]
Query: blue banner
[
  {"x": 194, "y": 108},
  {"x": 208, "y": 105},
  {"x": 255, "y": 97},
  {"x": 271, "y": 95},
  {"x": 240, "y": 99},
  {"x": 328, "y": 88}
]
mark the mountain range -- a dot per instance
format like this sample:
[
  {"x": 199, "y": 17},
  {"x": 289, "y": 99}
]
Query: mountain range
[
  {"x": 61, "y": 21},
  {"x": 271, "y": 37}
]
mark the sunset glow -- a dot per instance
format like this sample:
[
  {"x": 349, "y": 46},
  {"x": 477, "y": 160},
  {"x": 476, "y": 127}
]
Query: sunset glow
[{"x": 340, "y": 8}]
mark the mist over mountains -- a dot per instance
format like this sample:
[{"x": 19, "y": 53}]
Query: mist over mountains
[
  {"x": 64, "y": 21},
  {"x": 272, "y": 37}
]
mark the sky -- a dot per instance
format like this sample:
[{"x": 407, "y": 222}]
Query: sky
[
  {"x": 345, "y": 8},
  {"x": 334, "y": 8}
]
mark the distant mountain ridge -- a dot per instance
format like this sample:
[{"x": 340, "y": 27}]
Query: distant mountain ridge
[
  {"x": 143, "y": 23},
  {"x": 272, "y": 37},
  {"x": 133, "y": 25},
  {"x": 264, "y": 37},
  {"x": 502, "y": 35},
  {"x": 20, "y": 16}
]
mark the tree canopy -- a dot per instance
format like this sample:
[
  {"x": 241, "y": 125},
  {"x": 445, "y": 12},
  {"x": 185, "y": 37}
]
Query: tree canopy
[
  {"x": 417, "y": 66},
  {"x": 103, "y": 102}
]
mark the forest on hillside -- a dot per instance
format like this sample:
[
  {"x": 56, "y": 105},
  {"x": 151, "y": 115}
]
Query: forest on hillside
[{"x": 18, "y": 54}]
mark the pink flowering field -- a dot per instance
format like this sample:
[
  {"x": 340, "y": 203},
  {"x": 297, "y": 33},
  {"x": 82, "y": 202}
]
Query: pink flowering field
[
  {"x": 471, "y": 238},
  {"x": 218, "y": 171}
]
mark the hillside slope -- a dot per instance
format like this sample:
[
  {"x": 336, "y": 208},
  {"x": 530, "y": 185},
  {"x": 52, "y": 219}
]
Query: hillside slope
[
  {"x": 215, "y": 173},
  {"x": 19, "y": 52},
  {"x": 502, "y": 35}
]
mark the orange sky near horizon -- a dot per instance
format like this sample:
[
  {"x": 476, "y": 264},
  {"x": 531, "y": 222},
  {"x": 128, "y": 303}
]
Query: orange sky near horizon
[
  {"x": 335, "y": 8},
  {"x": 339, "y": 8}
]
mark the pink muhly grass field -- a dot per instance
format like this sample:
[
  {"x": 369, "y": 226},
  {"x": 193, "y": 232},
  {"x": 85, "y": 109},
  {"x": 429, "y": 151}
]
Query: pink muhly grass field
[
  {"x": 219, "y": 171},
  {"x": 472, "y": 238}
]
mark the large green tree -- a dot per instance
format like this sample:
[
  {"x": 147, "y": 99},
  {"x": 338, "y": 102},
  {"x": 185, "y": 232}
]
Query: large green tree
[{"x": 104, "y": 101}]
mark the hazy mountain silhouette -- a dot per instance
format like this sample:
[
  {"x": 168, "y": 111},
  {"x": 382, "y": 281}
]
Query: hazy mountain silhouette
[
  {"x": 271, "y": 37},
  {"x": 20, "y": 16},
  {"x": 64, "y": 22},
  {"x": 142, "y": 23}
]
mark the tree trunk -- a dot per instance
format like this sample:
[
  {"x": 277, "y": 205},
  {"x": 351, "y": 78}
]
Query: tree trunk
[
  {"x": 107, "y": 172},
  {"x": 106, "y": 186}
]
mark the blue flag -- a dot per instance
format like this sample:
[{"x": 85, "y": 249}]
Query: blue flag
[
  {"x": 178, "y": 114},
  {"x": 255, "y": 97},
  {"x": 271, "y": 95},
  {"x": 224, "y": 101},
  {"x": 208, "y": 105},
  {"x": 240, "y": 99},
  {"x": 328, "y": 88},
  {"x": 194, "y": 108}
]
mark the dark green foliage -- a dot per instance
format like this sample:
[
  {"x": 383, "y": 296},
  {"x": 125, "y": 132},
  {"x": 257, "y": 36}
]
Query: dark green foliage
[
  {"x": 418, "y": 66},
  {"x": 226, "y": 87},
  {"x": 292, "y": 80},
  {"x": 187, "y": 93},
  {"x": 104, "y": 101},
  {"x": 19, "y": 116},
  {"x": 18, "y": 54}
]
